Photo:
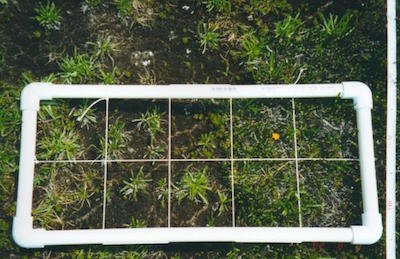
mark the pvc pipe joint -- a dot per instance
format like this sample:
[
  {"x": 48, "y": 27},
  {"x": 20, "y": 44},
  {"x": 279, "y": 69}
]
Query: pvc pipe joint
[
  {"x": 33, "y": 94},
  {"x": 359, "y": 92},
  {"x": 371, "y": 230}
]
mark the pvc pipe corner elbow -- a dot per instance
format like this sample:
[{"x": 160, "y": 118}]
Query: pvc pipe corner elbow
[
  {"x": 33, "y": 93},
  {"x": 371, "y": 230},
  {"x": 24, "y": 235},
  {"x": 359, "y": 92}
]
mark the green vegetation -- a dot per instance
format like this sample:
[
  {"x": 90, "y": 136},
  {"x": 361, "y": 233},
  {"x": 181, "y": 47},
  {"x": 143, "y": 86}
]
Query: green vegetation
[
  {"x": 335, "y": 27},
  {"x": 193, "y": 186},
  {"x": 213, "y": 41},
  {"x": 79, "y": 68},
  {"x": 138, "y": 183},
  {"x": 117, "y": 139},
  {"x": 48, "y": 16},
  {"x": 209, "y": 37},
  {"x": 59, "y": 145}
]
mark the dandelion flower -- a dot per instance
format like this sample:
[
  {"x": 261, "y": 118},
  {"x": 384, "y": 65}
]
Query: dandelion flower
[{"x": 275, "y": 136}]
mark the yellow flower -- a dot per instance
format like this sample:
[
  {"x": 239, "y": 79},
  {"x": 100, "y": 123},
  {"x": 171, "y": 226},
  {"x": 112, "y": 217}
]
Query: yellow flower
[{"x": 276, "y": 136}]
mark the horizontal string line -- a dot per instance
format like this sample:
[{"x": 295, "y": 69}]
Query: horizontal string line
[{"x": 195, "y": 160}]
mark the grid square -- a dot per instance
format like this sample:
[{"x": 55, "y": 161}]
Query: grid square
[
  {"x": 200, "y": 128},
  {"x": 201, "y": 194},
  {"x": 263, "y": 128},
  {"x": 137, "y": 129},
  {"x": 330, "y": 120},
  {"x": 330, "y": 193},
  {"x": 266, "y": 194},
  {"x": 68, "y": 196},
  {"x": 60, "y": 120},
  {"x": 137, "y": 195}
]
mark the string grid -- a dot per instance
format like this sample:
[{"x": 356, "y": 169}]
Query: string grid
[{"x": 169, "y": 160}]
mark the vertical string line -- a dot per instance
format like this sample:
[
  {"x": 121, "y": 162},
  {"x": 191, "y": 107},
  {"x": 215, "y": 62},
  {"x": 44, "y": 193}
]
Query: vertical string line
[
  {"x": 232, "y": 161},
  {"x": 105, "y": 167},
  {"x": 296, "y": 159},
  {"x": 169, "y": 162}
]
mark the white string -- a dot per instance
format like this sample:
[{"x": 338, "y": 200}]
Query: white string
[
  {"x": 169, "y": 162},
  {"x": 296, "y": 161},
  {"x": 88, "y": 108},
  {"x": 105, "y": 168},
  {"x": 200, "y": 160},
  {"x": 299, "y": 75},
  {"x": 232, "y": 163}
]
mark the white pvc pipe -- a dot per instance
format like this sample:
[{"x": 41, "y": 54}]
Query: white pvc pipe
[
  {"x": 391, "y": 131},
  {"x": 367, "y": 233},
  {"x": 190, "y": 234}
]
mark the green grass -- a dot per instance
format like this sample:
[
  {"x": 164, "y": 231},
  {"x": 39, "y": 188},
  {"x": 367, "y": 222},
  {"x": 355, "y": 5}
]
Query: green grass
[
  {"x": 48, "y": 16},
  {"x": 193, "y": 185},
  {"x": 79, "y": 68},
  {"x": 137, "y": 183},
  {"x": 209, "y": 37}
]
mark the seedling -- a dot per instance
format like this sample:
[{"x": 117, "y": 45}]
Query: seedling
[
  {"x": 151, "y": 121},
  {"x": 194, "y": 185},
  {"x": 252, "y": 48},
  {"x": 124, "y": 7},
  {"x": 85, "y": 114},
  {"x": 162, "y": 191},
  {"x": 137, "y": 183},
  {"x": 209, "y": 37},
  {"x": 104, "y": 46},
  {"x": 333, "y": 26},
  {"x": 223, "y": 6},
  {"x": 207, "y": 144},
  {"x": 78, "y": 68},
  {"x": 48, "y": 16},
  {"x": 60, "y": 144},
  {"x": 288, "y": 27},
  {"x": 118, "y": 136},
  {"x": 136, "y": 223},
  {"x": 222, "y": 202}
]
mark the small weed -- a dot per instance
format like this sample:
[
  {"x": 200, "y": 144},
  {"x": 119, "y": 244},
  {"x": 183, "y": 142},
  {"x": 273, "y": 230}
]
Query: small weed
[
  {"x": 288, "y": 27},
  {"x": 48, "y": 16},
  {"x": 222, "y": 202},
  {"x": 85, "y": 114},
  {"x": 151, "y": 121},
  {"x": 79, "y": 68},
  {"x": 252, "y": 48},
  {"x": 103, "y": 47},
  {"x": 60, "y": 144},
  {"x": 118, "y": 136},
  {"x": 209, "y": 37},
  {"x": 222, "y": 6},
  {"x": 136, "y": 184},
  {"x": 136, "y": 223},
  {"x": 207, "y": 144},
  {"x": 83, "y": 195},
  {"x": 194, "y": 185},
  {"x": 124, "y": 7},
  {"x": 109, "y": 77},
  {"x": 138, "y": 10},
  {"x": 154, "y": 152},
  {"x": 162, "y": 191},
  {"x": 333, "y": 26}
]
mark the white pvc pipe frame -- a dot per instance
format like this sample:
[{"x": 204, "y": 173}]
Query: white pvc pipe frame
[{"x": 26, "y": 236}]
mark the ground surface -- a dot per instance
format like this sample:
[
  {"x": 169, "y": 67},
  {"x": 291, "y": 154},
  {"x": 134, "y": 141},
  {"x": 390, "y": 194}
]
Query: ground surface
[{"x": 213, "y": 41}]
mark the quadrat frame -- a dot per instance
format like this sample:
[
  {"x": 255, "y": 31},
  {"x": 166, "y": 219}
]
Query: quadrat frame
[{"x": 26, "y": 236}]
